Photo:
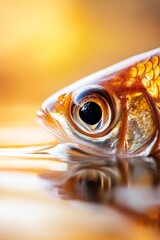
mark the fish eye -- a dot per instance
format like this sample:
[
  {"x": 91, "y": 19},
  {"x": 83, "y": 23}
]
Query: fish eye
[
  {"x": 92, "y": 110},
  {"x": 90, "y": 113}
]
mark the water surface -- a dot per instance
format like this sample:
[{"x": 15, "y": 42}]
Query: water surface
[{"x": 45, "y": 197}]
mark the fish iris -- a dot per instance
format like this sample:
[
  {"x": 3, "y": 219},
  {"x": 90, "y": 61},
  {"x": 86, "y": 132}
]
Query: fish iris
[{"x": 90, "y": 113}]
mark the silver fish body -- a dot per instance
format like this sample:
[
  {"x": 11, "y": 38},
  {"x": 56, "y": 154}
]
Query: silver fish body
[{"x": 114, "y": 112}]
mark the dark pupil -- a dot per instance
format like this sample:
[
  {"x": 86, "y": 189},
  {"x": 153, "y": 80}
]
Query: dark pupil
[{"x": 90, "y": 113}]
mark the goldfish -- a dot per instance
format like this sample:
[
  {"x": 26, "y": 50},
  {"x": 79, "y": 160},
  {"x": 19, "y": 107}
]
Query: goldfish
[{"x": 113, "y": 112}]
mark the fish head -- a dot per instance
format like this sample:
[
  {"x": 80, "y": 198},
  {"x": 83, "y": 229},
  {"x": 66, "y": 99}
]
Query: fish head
[{"x": 111, "y": 112}]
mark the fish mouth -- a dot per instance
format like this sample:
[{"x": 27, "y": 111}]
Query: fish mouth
[{"x": 46, "y": 120}]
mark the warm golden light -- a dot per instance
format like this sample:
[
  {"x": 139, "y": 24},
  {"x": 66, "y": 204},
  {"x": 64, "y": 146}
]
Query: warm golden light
[{"x": 44, "y": 46}]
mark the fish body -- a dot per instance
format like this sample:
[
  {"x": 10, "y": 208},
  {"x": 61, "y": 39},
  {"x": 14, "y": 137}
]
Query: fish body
[{"x": 114, "y": 112}]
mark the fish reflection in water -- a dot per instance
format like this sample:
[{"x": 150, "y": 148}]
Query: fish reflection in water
[
  {"x": 131, "y": 186},
  {"x": 106, "y": 124},
  {"x": 98, "y": 170}
]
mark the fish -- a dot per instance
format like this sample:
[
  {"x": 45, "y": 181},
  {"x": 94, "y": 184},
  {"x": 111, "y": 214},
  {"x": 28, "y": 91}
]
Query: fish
[{"x": 113, "y": 112}]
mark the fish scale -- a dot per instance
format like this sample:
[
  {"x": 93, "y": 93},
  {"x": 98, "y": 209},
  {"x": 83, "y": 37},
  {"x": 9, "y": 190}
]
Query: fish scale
[{"x": 128, "y": 94}]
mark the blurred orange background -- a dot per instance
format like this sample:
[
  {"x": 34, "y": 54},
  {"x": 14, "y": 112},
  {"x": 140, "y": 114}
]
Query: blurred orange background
[{"x": 45, "y": 45}]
